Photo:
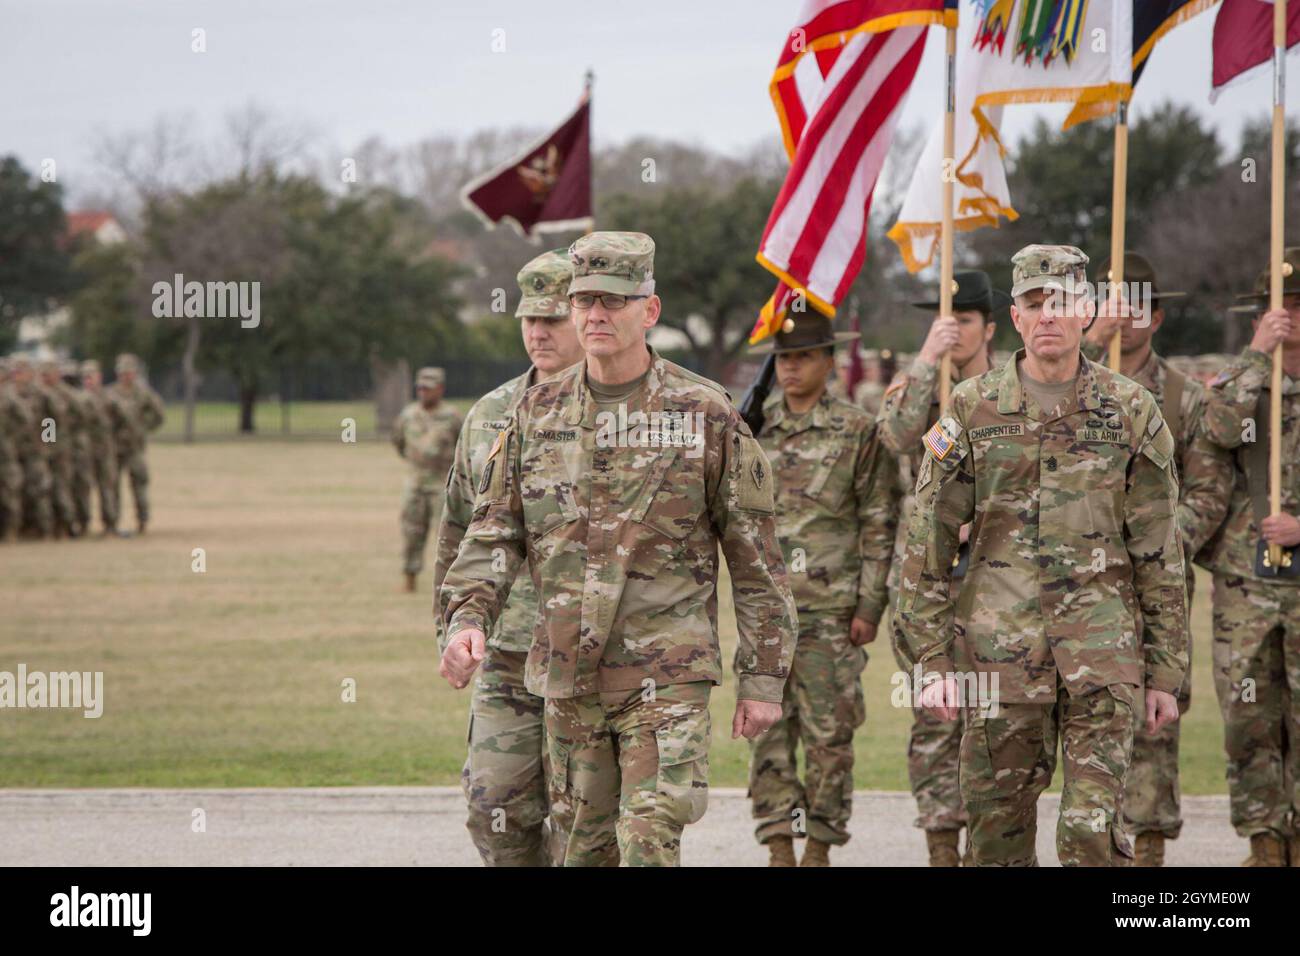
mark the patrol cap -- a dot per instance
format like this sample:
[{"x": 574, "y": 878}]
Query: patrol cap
[
  {"x": 90, "y": 367},
  {"x": 622, "y": 262},
  {"x": 126, "y": 362},
  {"x": 430, "y": 377},
  {"x": 1290, "y": 278},
  {"x": 1041, "y": 267},
  {"x": 544, "y": 283},
  {"x": 1137, "y": 268}
]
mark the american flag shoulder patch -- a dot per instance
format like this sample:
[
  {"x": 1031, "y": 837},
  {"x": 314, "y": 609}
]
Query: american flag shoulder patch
[{"x": 942, "y": 438}]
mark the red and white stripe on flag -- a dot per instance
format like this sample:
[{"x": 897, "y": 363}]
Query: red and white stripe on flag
[
  {"x": 867, "y": 52},
  {"x": 1243, "y": 41}
]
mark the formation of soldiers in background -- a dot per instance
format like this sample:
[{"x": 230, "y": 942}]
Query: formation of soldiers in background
[
  {"x": 67, "y": 440},
  {"x": 1048, "y": 545}
]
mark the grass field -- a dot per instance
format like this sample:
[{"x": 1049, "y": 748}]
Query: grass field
[
  {"x": 233, "y": 677},
  {"x": 311, "y": 419}
]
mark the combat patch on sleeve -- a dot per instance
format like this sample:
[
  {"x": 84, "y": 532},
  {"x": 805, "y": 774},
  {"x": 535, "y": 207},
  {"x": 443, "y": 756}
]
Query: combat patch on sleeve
[
  {"x": 754, "y": 490},
  {"x": 942, "y": 438},
  {"x": 1159, "y": 446},
  {"x": 494, "y": 471}
]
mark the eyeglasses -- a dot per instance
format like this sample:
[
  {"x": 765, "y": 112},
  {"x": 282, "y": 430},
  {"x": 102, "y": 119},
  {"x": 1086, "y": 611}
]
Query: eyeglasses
[{"x": 609, "y": 301}]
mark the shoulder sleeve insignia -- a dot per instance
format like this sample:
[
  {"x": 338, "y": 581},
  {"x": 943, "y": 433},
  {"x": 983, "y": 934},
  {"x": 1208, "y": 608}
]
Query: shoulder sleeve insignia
[
  {"x": 496, "y": 445},
  {"x": 942, "y": 438}
]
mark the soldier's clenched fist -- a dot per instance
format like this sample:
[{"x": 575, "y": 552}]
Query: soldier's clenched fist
[
  {"x": 753, "y": 717},
  {"x": 462, "y": 656}
]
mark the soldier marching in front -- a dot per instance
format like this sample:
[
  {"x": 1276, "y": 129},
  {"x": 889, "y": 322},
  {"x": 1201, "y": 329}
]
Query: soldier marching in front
[
  {"x": 425, "y": 434},
  {"x": 101, "y": 476},
  {"x": 137, "y": 410},
  {"x": 1257, "y": 605},
  {"x": 618, "y": 481},
  {"x": 911, "y": 406},
  {"x": 1152, "y": 805},
  {"x": 1066, "y": 473},
  {"x": 504, "y": 775},
  {"x": 837, "y": 498}
]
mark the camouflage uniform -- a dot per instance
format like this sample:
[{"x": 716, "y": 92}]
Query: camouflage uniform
[
  {"x": 1050, "y": 499},
  {"x": 15, "y": 429},
  {"x": 910, "y": 406},
  {"x": 425, "y": 437},
  {"x": 34, "y": 453},
  {"x": 136, "y": 410},
  {"x": 505, "y": 770},
  {"x": 1256, "y": 619},
  {"x": 60, "y": 405},
  {"x": 1151, "y": 796},
  {"x": 101, "y": 473},
  {"x": 621, "y": 531},
  {"x": 837, "y": 505}
]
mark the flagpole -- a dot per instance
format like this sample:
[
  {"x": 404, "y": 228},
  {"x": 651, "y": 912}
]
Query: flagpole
[
  {"x": 588, "y": 81},
  {"x": 1275, "y": 265},
  {"x": 1118, "y": 192},
  {"x": 945, "y": 241}
]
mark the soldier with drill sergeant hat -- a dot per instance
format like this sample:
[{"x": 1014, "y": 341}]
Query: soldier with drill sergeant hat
[
  {"x": 1256, "y": 601},
  {"x": 837, "y": 495}
]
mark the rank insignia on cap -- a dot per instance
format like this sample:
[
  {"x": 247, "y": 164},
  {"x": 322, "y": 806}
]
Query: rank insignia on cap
[{"x": 938, "y": 440}]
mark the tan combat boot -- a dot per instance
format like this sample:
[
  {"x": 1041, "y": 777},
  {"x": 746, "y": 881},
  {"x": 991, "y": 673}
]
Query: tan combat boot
[
  {"x": 1149, "y": 849},
  {"x": 409, "y": 585},
  {"x": 942, "y": 846},
  {"x": 781, "y": 851},
  {"x": 816, "y": 853},
  {"x": 1266, "y": 849}
]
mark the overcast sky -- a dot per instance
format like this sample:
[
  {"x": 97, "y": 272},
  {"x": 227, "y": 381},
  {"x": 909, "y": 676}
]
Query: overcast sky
[{"x": 693, "y": 70}]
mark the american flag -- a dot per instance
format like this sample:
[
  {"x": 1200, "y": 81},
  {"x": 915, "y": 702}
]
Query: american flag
[{"x": 867, "y": 52}]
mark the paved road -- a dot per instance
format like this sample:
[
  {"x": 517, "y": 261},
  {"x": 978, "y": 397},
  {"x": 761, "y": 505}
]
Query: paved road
[{"x": 424, "y": 826}]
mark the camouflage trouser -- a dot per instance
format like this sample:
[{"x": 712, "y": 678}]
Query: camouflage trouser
[
  {"x": 1008, "y": 759},
  {"x": 38, "y": 507},
  {"x": 628, "y": 773},
  {"x": 1152, "y": 796},
  {"x": 83, "y": 484},
  {"x": 933, "y": 752},
  {"x": 1257, "y": 678},
  {"x": 420, "y": 510},
  {"x": 11, "y": 497},
  {"x": 504, "y": 777},
  {"x": 61, "y": 490},
  {"x": 823, "y": 705},
  {"x": 103, "y": 477},
  {"x": 134, "y": 464}
]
